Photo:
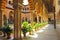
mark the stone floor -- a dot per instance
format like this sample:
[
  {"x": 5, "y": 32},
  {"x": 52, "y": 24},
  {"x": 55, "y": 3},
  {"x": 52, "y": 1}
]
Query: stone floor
[{"x": 46, "y": 33}]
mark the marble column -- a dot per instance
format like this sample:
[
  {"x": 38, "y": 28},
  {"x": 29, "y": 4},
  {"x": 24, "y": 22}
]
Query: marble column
[{"x": 17, "y": 20}]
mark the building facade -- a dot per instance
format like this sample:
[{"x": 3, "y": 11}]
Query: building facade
[{"x": 7, "y": 12}]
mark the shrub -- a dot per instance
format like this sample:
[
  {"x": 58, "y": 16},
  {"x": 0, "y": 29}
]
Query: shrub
[
  {"x": 24, "y": 28},
  {"x": 29, "y": 28},
  {"x": 36, "y": 25},
  {"x": 24, "y": 24}
]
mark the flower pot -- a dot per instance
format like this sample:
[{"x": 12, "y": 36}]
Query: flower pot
[
  {"x": 31, "y": 33},
  {"x": 35, "y": 29},
  {"x": 39, "y": 28},
  {"x": 24, "y": 34},
  {"x": 8, "y": 36}
]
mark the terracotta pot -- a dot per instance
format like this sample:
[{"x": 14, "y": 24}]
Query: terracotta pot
[
  {"x": 31, "y": 33},
  {"x": 36, "y": 29},
  {"x": 39, "y": 28},
  {"x": 24, "y": 34},
  {"x": 8, "y": 36}
]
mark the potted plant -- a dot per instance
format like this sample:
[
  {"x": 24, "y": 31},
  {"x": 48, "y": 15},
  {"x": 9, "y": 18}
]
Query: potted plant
[
  {"x": 24, "y": 28},
  {"x": 3, "y": 29},
  {"x": 8, "y": 32},
  {"x": 29, "y": 27},
  {"x": 36, "y": 26}
]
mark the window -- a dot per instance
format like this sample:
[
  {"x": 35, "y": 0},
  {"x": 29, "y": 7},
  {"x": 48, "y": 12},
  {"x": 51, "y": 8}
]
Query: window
[
  {"x": 4, "y": 17},
  {"x": 9, "y": 2},
  {"x": 10, "y": 20},
  {"x": 27, "y": 8}
]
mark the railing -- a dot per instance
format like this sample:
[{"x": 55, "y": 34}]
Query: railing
[{"x": 25, "y": 10}]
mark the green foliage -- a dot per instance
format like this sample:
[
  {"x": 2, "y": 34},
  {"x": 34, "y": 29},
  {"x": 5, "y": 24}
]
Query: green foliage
[
  {"x": 24, "y": 24},
  {"x": 24, "y": 30},
  {"x": 5, "y": 23},
  {"x": 26, "y": 27},
  {"x": 36, "y": 25},
  {"x": 42, "y": 24},
  {"x": 7, "y": 30},
  {"x": 29, "y": 28}
]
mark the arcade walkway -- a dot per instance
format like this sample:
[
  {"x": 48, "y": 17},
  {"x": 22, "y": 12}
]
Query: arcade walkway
[{"x": 47, "y": 33}]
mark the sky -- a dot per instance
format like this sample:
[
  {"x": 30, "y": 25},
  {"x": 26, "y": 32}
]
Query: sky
[{"x": 25, "y": 2}]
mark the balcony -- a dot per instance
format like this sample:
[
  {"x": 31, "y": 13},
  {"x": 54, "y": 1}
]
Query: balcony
[
  {"x": 25, "y": 11},
  {"x": 9, "y": 4}
]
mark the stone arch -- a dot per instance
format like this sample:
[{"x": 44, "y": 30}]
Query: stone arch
[
  {"x": 11, "y": 17},
  {"x": 4, "y": 19}
]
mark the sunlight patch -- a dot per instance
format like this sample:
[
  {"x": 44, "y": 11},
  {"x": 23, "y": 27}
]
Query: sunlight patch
[
  {"x": 25, "y": 2},
  {"x": 34, "y": 36},
  {"x": 40, "y": 31}
]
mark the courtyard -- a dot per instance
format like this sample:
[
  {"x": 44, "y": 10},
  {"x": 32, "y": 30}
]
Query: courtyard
[{"x": 30, "y": 20}]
